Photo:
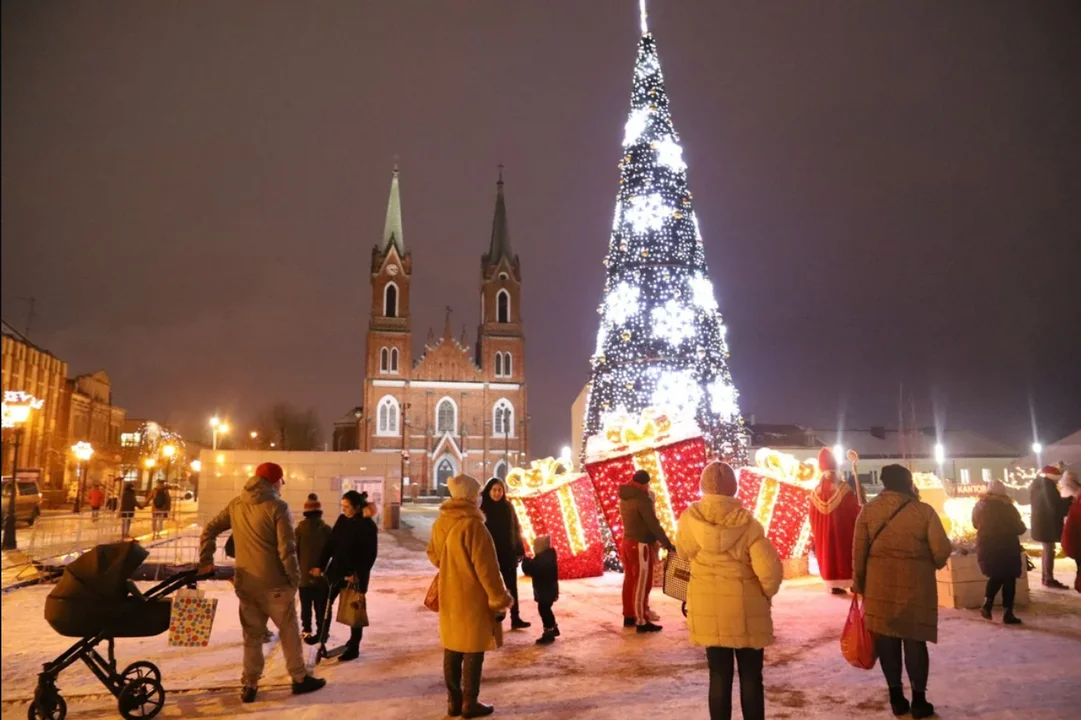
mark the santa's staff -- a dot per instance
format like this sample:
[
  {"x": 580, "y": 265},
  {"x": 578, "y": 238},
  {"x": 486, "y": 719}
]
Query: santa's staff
[{"x": 854, "y": 458}]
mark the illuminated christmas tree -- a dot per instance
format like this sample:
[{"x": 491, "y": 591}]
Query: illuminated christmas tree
[{"x": 661, "y": 341}]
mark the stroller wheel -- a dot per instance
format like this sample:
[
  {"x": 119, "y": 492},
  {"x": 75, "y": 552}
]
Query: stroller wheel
[
  {"x": 140, "y": 669},
  {"x": 58, "y": 712},
  {"x": 143, "y": 698}
]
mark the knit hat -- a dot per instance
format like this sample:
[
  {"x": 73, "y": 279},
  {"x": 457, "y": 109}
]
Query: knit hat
[
  {"x": 540, "y": 544},
  {"x": 896, "y": 478},
  {"x": 463, "y": 487},
  {"x": 271, "y": 472},
  {"x": 826, "y": 461},
  {"x": 997, "y": 488},
  {"x": 641, "y": 477},
  {"x": 1071, "y": 487},
  {"x": 312, "y": 504},
  {"x": 718, "y": 478},
  {"x": 1052, "y": 472}
]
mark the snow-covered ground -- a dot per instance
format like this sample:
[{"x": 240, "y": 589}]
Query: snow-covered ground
[{"x": 596, "y": 670}]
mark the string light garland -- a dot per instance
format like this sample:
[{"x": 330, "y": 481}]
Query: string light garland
[
  {"x": 550, "y": 501},
  {"x": 661, "y": 340}
]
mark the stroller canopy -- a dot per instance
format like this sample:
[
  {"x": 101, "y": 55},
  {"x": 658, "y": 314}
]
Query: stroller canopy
[{"x": 101, "y": 574}]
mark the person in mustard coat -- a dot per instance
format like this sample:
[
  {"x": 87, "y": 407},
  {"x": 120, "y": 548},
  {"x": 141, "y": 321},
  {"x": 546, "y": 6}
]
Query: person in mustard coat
[
  {"x": 735, "y": 571},
  {"x": 471, "y": 595}
]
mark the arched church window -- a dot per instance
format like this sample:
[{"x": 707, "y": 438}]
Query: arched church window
[
  {"x": 502, "y": 306},
  {"x": 390, "y": 300},
  {"x": 446, "y": 416}
]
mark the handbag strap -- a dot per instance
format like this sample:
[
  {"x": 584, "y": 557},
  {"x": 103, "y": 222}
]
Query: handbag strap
[{"x": 878, "y": 532}]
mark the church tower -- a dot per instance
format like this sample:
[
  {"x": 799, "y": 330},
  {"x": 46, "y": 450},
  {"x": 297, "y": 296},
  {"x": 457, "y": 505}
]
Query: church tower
[
  {"x": 500, "y": 340},
  {"x": 389, "y": 352}
]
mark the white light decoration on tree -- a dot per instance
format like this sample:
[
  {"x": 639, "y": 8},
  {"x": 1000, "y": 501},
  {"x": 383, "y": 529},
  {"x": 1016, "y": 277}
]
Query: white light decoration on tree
[
  {"x": 678, "y": 392},
  {"x": 670, "y": 154},
  {"x": 622, "y": 303},
  {"x": 673, "y": 321},
  {"x": 702, "y": 291},
  {"x": 662, "y": 341},
  {"x": 723, "y": 399},
  {"x": 647, "y": 212},
  {"x": 636, "y": 125}
]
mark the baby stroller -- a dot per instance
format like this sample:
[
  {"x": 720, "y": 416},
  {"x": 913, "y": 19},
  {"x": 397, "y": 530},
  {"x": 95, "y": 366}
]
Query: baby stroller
[{"x": 96, "y": 600}]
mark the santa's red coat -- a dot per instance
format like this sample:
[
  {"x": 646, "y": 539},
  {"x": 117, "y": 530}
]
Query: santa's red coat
[{"x": 833, "y": 521}]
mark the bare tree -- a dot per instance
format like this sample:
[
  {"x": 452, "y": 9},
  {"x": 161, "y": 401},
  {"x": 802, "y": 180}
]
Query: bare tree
[{"x": 289, "y": 428}]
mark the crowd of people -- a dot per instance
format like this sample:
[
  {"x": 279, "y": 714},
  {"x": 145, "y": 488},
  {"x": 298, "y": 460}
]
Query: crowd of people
[{"x": 886, "y": 550}]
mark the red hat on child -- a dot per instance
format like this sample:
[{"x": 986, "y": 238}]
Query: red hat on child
[
  {"x": 312, "y": 504},
  {"x": 271, "y": 472}
]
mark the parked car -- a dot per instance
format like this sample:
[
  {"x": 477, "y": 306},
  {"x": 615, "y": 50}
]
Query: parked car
[{"x": 27, "y": 501}]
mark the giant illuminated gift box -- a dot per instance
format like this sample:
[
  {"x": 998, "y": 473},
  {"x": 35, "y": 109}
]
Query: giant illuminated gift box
[
  {"x": 563, "y": 506},
  {"x": 777, "y": 490},
  {"x": 672, "y": 452}
]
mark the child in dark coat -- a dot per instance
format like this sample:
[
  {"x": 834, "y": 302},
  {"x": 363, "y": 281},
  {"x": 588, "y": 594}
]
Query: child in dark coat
[
  {"x": 543, "y": 567},
  {"x": 313, "y": 536}
]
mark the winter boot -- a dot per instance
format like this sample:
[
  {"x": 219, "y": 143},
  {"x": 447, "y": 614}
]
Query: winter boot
[
  {"x": 920, "y": 707},
  {"x": 838, "y": 591},
  {"x": 548, "y": 637},
  {"x": 985, "y": 611},
  {"x": 648, "y": 628},
  {"x": 352, "y": 648},
  {"x": 1009, "y": 618},
  {"x": 452, "y": 676},
  {"x": 517, "y": 623},
  {"x": 898, "y": 702},
  {"x": 247, "y": 694},
  {"x": 313, "y": 639},
  {"x": 629, "y": 622},
  {"x": 472, "y": 707},
  {"x": 308, "y": 685},
  {"x": 555, "y": 630}
]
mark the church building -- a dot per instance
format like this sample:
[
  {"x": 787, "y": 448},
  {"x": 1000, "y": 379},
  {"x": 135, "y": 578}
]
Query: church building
[{"x": 455, "y": 408}]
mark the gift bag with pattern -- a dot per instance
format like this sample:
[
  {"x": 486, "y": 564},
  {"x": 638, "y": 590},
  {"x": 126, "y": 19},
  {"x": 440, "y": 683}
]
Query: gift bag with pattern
[
  {"x": 191, "y": 619},
  {"x": 677, "y": 576}
]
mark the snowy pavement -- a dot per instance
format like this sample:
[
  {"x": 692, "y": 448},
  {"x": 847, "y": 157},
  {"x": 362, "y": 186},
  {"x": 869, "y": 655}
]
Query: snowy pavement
[{"x": 596, "y": 670}]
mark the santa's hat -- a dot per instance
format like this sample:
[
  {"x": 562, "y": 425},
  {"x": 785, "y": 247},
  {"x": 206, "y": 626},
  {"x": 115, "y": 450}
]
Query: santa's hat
[
  {"x": 1052, "y": 472},
  {"x": 826, "y": 461},
  {"x": 312, "y": 504}
]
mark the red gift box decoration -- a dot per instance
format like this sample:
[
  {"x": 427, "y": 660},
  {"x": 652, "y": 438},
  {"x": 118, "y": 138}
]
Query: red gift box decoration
[
  {"x": 563, "y": 506},
  {"x": 778, "y": 493},
  {"x": 673, "y": 453}
]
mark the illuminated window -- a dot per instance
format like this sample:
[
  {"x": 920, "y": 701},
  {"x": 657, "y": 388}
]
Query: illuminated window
[
  {"x": 985, "y": 475},
  {"x": 965, "y": 476},
  {"x": 503, "y": 418}
]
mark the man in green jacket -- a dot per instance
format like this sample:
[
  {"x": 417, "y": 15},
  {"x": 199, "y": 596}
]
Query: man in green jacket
[{"x": 267, "y": 575}]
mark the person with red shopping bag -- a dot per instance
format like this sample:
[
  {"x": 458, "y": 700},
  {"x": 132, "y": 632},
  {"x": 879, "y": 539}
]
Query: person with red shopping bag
[
  {"x": 267, "y": 575},
  {"x": 735, "y": 572},
  {"x": 898, "y": 545}
]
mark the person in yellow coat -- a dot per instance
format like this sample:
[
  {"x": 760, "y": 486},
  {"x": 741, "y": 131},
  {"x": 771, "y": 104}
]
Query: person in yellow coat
[
  {"x": 471, "y": 594},
  {"x": 735, "y": 571}
]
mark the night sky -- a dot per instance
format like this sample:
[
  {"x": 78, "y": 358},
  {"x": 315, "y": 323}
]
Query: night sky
[{"x": 889, "y": 193}]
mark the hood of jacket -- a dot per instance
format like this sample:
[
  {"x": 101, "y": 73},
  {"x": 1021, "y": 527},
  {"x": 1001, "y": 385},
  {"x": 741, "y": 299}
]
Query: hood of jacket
[
  {"x": 633, "y": 491},
  {"x": 455, "y": 509},
  {"x": 257, "y": 490},
  {"x": 722, "y": 519}
]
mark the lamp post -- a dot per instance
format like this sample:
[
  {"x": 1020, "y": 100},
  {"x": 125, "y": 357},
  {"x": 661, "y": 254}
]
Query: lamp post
[
  {"x": 16, "y": 413},
  {"x": 169, "y": 452},
  {"x": 1037, "y": 448},
  {"x": 254, "y": 435},
  {"x": 218, "y": 427},
  {"x": 150, "y": 463},
  {"x": 940, "y": 459},
  {"x": 82, "y": 451}
]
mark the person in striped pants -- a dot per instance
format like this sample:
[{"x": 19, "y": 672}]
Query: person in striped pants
[{"x": 641, "y": 533}]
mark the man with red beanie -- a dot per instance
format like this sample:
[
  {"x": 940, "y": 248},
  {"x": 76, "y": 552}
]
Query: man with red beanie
[
  {"x": 641, "y": 529},
  {"x": 1048, "y": 516},
  {"x": 267, "y": 575},
  {"x": 834, "y": 508}
]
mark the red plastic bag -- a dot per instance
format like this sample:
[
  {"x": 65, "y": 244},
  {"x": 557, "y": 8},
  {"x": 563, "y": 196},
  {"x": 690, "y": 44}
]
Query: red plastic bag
[{"x": 857, "y": 644}]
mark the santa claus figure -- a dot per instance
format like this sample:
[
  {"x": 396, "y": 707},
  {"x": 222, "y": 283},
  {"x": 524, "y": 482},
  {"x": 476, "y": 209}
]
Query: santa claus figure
[{"x": 834, "y": 507}]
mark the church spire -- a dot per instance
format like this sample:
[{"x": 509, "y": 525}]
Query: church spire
[
  {"x": 392, "y": 230},
  {"x": 500, "y": 245}
]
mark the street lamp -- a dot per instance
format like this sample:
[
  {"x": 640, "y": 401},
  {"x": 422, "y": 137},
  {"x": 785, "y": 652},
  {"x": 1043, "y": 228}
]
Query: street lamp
[
  {"x": 196, "y": 466},
  {"x": 17, "y": 407},
  {"x": 82, "y": 451},
  {"x": 169, "y": 451},
  {"x": 940, "y": 458},
  {"x": 1037, "y": 448},
  {"x": 218, "y": 427}
]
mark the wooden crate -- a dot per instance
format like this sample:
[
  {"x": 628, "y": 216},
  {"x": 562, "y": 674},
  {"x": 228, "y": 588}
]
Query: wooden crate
[{"x": 962, "y": 585}]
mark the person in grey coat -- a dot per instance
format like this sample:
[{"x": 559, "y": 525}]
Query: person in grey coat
[{"x": 267, "y": 575}]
